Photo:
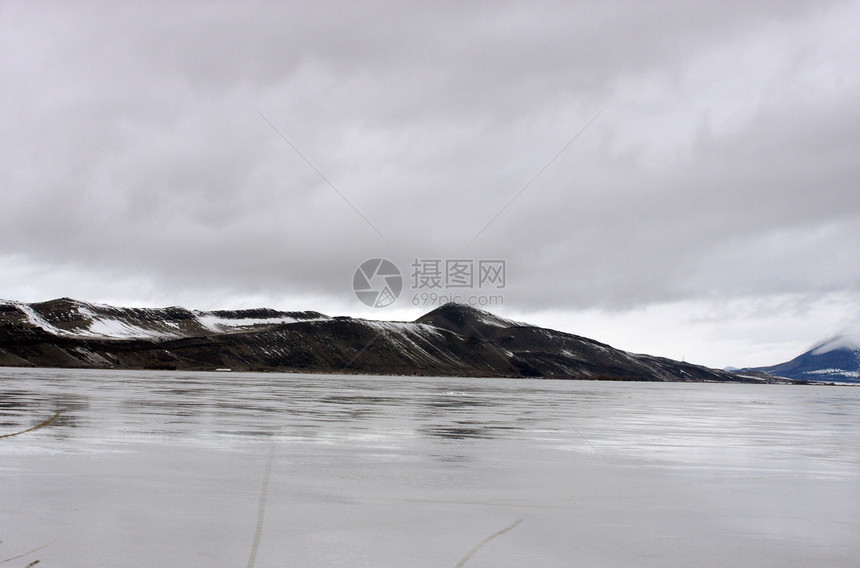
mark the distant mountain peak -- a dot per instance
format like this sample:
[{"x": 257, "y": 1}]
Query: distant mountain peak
[{"x": 835, "y": 359}]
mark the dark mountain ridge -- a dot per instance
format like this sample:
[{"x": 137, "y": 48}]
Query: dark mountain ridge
[
  {"x": 453, "y": 340},
  {"x": 834, "y": 360}
]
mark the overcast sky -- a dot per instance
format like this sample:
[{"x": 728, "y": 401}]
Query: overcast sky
[{"x": 677, "y": 178}]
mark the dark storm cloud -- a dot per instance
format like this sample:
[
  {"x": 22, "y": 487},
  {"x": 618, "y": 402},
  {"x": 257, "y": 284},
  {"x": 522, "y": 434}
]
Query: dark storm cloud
[{"x": 724, "y": 161}]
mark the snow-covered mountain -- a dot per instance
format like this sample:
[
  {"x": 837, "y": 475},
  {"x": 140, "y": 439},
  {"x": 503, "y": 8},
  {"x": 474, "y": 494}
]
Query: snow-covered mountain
[
  {"x": 453, "y": 340},
  {"x": 82, "y": 320},
  {"x": 836, "y": 359}
]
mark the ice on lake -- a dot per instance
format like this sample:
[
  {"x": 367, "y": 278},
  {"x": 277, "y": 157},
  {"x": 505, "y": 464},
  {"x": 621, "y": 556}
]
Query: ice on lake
[{"x": 157, "y": 469}]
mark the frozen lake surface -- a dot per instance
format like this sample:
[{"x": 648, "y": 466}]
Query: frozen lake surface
[{"x": 160, "y": 469}]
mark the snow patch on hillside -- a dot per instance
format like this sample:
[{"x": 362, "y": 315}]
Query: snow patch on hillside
[
  {"x": 838, "y": 372},
  {"x": 37, "y": 320},
  {"x": 116, "y": 329},
  {"x": 220, "y": 324}
]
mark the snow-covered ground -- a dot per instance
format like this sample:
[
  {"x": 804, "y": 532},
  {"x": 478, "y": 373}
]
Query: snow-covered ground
[
  {"x": 168, "y": 469},
  {"x": 220, "y": 324}
]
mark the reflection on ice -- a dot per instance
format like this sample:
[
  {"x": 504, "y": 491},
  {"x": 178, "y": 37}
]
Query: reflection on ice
[{"x": 158, "y": 469}]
